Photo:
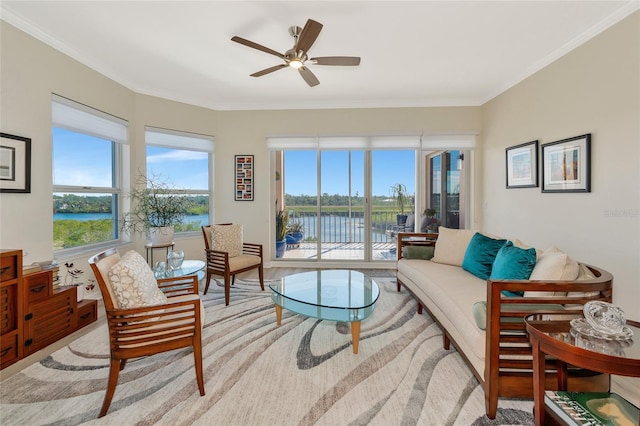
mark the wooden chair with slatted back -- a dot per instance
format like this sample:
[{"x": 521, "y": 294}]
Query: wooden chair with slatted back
[
  {"x": 149, "y": 330},
  {"x": 248, "y": 256}
]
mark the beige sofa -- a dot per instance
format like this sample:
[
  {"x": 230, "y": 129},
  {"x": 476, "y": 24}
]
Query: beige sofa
[{"x": 500, "y": 356}]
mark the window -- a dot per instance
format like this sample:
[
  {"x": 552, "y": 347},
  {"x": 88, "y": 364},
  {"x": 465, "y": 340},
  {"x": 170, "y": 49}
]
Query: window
[
  {"x": 338, "y": 190},
  {"x": 87, "y": 157},
  {"x": 185, "y": 162}
]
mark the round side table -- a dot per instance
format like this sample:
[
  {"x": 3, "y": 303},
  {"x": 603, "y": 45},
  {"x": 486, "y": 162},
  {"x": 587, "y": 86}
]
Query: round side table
[{"x": 150, "y": 247}]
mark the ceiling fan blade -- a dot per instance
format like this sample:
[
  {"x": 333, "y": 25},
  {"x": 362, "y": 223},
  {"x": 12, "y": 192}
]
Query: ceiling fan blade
[
  {"x": 308, "y": 35},
  {"x": 337, "y": 60},
  {"x": 269, "y": 70},
  {"x": 308, "y": 76},
  {"x": 257, "y": 46}
]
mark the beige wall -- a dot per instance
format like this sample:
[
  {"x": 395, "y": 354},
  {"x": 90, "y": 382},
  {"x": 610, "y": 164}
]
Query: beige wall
[{"x": 594, "y": 89}]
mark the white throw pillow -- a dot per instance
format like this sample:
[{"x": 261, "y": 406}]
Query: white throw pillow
[
  {"x": 451, "y": 245},
  {"x": 227, "y": 238},
  {"x": 133, "y": 282},
  {"x": 554, "y": 265}
]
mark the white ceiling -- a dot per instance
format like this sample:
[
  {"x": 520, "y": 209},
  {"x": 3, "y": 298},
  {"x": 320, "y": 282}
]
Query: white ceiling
[{"x": 416, "y": 53}]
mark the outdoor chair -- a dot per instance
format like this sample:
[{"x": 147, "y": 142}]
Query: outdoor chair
[
  {"x": 146, "y": 316},
  {"x": 228, "y": 255}
]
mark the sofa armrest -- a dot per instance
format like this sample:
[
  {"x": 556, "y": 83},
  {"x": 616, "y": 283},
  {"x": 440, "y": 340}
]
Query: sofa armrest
[
  {"x": 508, "y": 350},
  {"x": 414, "y": 239}
]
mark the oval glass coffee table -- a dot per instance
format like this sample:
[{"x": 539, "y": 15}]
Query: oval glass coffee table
[{"x": 332, "y": 295}]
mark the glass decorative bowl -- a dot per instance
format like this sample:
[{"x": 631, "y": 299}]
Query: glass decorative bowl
[{"x": 604, "y": 317}]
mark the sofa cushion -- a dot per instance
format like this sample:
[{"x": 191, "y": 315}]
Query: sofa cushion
[
  {"x": 453, "y": 291},
  {"x": 553, "y": 265},
  {"x": 480, "y": 254},
  {"x": 418, "y": 252},
  {"x": 513, "y": 263},
  {"x": 451, "y": 245},
  {"x": 133, "y": 283}
]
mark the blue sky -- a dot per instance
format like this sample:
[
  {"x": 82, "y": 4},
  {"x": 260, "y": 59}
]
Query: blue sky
[{"x": 389, "y": 167}]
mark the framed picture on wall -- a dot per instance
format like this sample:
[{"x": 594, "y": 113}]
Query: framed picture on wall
[
  {"x": 566, "y": 165},
  {"x": 15, "y": 163},
  {"x": 522, "y": 165},
  {"x": 244, "y": 177}
]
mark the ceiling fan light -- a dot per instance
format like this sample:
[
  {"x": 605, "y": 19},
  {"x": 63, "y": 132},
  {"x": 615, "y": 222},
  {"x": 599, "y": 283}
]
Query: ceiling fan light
[{"x": 295, "y": 63}]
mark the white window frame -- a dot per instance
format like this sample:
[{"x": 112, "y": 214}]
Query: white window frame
[
  {"x": 74, "y": 116},
  {"x": 165, "y": 138}
]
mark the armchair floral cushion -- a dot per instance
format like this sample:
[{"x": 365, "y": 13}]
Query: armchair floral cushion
[
  {"x": 227, "y": 238},
  {"x": 133, "y": 283}
]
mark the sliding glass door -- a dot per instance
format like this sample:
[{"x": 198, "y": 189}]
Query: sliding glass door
[{"x": 342, "y": 201}]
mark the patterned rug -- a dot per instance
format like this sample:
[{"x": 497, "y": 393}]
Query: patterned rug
[{"x": 301, "y": 373}]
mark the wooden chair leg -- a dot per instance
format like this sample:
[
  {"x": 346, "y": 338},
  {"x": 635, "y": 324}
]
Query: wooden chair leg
[
  {"x": 261, "y": 276},
  {"x": 197, "y": 357},
  {"x": 227, "y": 288},
  {"x": 122, "y": 364},
  {"x": 206, "y": 286},
  {"x": 114, "y": 371},
  {"x": 233, "y": 279}
]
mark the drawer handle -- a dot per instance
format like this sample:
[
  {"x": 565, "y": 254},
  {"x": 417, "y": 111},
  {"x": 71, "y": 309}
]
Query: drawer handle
[
  {"x": 5, "y": 351},
  {"x": 38, "y": 289},
  {"x": 5, "y": 269}
]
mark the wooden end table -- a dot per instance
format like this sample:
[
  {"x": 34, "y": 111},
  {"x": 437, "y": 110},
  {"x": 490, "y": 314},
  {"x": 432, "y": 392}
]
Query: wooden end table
[{"x": 551, "y": 336}]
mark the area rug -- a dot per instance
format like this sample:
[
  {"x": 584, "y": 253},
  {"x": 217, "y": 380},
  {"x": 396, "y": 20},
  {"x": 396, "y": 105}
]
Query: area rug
[{"x": 301, "y": 373}]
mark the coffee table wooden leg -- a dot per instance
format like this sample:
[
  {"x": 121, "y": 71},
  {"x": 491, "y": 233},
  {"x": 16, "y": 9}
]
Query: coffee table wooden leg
[
  {"x": 538, "y": 382},
  {"x": 278, "y": 314},
  {"x": 355, "y": 335}
]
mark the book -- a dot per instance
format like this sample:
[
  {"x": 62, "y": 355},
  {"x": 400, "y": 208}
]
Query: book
[
  {"x": 592, "y": 408},
  {"x": 29, "y": 269}
]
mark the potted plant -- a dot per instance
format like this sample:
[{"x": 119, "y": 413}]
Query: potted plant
[
  {"x": 400, "y": 198},
  {"x": 156, "y": 208},
  {"x": 295, "y": 232},
  {"x": 431, "y": 222},
  {"x": 282, "y": 220}
]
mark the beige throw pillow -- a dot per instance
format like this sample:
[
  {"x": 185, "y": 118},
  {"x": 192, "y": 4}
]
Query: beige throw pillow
[
  {"x": 554, "y": 265},
  {"x": 133, "y": 282},
  {"x": 451, "y": 245},
  {"x": 227, "y": 238}
]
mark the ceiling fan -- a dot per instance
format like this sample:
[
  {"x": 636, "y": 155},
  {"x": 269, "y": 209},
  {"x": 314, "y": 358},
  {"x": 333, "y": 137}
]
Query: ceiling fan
[{"x": 298, "y": 56}]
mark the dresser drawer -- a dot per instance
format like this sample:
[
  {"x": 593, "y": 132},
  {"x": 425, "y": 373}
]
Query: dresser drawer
[
  {"x": 8, "y": 268},
  {"x": 38, "y": 286},
  {"x": 8, "y": 349},
  {"x": 87, "y": 312}
]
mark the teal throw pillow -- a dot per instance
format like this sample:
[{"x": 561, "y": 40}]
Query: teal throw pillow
[
  {"x": 480, "y": 254},
  {"x": 418, "y": 252},
  {"x": 513, "y": 263}
]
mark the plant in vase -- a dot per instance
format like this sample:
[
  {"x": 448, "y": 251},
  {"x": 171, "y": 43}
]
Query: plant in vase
[
  {"x": 156, "y": 208},
  {"x": 282, "y": 219},
  {"x": 430, "y": 222},
  {"x": 295, "y": 232},
  {"x": 401, "y": 199}
]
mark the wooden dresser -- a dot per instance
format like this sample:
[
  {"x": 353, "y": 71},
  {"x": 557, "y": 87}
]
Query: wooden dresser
[{"x": 35, "y": 315}]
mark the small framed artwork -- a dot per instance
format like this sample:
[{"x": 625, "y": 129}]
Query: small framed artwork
[
  {"x": 522, "y": 165},
  {"x": 15, "y": 163},
  {"x": 566, "y": 165},
  {"x": 244, "y": 177}
]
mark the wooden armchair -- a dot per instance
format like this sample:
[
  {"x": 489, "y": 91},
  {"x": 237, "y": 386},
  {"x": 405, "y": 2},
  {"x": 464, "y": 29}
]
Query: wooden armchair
[
  {"x": 148, "y": 330},
  {"x": 226, "y": 264}
]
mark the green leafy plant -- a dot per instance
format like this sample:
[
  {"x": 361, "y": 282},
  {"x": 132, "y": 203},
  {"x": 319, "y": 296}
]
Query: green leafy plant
[
  {"x": 282, "y": 220},
  {"x": 155, "y": 203},
  {"x": 400, "y": 196},
  {"x": 295, "y": 227}
]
